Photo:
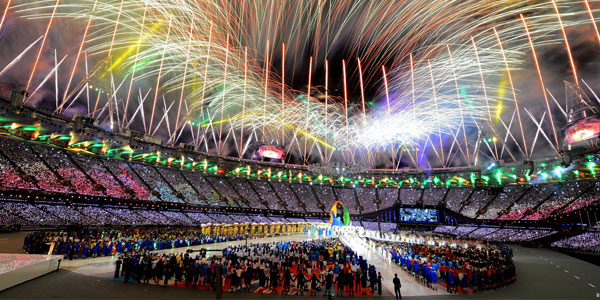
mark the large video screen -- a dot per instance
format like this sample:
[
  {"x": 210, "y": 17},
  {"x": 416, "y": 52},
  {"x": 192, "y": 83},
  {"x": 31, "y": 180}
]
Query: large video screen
[
  {"x": 418, "y": 215},
  {"x": 583, "y": 130},
  {"x": 269, "y": 152}
]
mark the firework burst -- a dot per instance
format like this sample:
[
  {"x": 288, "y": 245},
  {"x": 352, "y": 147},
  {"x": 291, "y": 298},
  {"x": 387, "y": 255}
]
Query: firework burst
[{"x": 442, "y": 84}]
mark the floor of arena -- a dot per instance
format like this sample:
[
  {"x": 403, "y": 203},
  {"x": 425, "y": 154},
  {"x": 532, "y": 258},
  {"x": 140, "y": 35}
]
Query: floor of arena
[{"x": 541, "y": 274}]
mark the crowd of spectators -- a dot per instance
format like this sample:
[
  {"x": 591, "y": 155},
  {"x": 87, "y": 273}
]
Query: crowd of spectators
[
  {"x": 180, "y": 185},
  {"x": 346, "y": 195},
  {"x": 592, "y": 196},
  {"x": 433, "y": 196},
  {"x": 366, "y": 197},
  {"x": 462, "y": 266},
  {"x": 463, "y": 231},
  {"x": 565, "y": 194},
  {"x": 128, "y": 178},
  {"x": 156, "y": 183},
  {"x": 324, "y": 267},
  {"x": 38, "y": 166},
  {"x": 501, "y": 235},
  {"x": 388, "y": 197},
  {"x": 306, "y": 195},
  {"x": 410, "y": 196},
  {"x": 296, "y": 220},
  {"x": 325, "y": 195},
  {"x": 285, "y": 193},
  {"x": 505, "y": 199},
  {"x": 9, "y": 178},
  {"x": 444, "y": 229},
  {"x": 385, "y": 226},
  {"x": 26, "y": 160},
  {"x": 113, "y": 241},
  {"x": 266, "y": 192},
  {"x": 205, "y": 189},
  {"x": 367, "y": 225},
  {"x": 494, "y": 234},
  {"x": 481, "y": 232},
  {"x": 264, "y": 219},
  {"x": 478, "y": 200},
  {"x": 525, "y": 235},
  {"x": 226, "y": 190},
  {"x": 99, "y": 174},
  {"x": 246, "y": 191},
  {"x": 534, "y": 196},
  {"x": 26, "y": 214},
  {"x": 61, "y": 163},
  {"x": 589, "y": 241},
  {"x": 455, "y": 198}
]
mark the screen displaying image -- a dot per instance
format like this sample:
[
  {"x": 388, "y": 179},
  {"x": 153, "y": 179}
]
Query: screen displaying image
[
  {"x": 418, "y": 215},
  {"x": 583, "y": 130}
]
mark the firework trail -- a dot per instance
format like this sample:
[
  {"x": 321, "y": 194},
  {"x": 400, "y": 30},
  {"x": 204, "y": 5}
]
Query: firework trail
[{"x": 215, "y": 55}]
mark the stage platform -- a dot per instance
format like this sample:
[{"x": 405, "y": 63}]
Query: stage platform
[{"x": 18, "y": 268}]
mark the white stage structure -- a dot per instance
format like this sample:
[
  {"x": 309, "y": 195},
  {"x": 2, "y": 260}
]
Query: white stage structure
[{"x": 18, "y": 268}]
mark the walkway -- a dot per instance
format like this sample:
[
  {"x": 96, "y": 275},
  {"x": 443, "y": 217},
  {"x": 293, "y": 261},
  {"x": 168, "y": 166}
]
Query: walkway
[{"x": 410, "y": 286}]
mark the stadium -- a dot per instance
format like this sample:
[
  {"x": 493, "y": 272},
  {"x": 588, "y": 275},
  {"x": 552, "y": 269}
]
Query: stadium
[{"x": 284, "y": 149}]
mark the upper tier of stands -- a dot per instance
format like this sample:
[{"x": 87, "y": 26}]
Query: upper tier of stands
[{"x": 41, "y": 167}]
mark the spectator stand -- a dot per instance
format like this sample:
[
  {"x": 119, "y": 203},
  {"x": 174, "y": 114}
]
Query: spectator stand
[
  {"x": 265, "y": 191},
  {"x": 287, "y": 195},
  {"x": 246, "y": 192},
  {"x": 224, "y": 193},
  {"x": 212, "y": 198}
]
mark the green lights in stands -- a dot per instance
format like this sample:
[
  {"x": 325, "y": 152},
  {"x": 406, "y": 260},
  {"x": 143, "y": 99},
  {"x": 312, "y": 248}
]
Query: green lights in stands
[
  {"x": 546, "y": 171},
  {"x": 498, "y": 176},
  {"x": 485, "y": 178},
  {"x": 116, "y": 152},
  {"x": 141, "y": 156},
  {"x": 29, "y": 128},
  {"x": 591, "y": 166},
  {"x": 87, "y": 144},
  {"x": 558, "y": 172},
  {"x": 44, "y": 136}
]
